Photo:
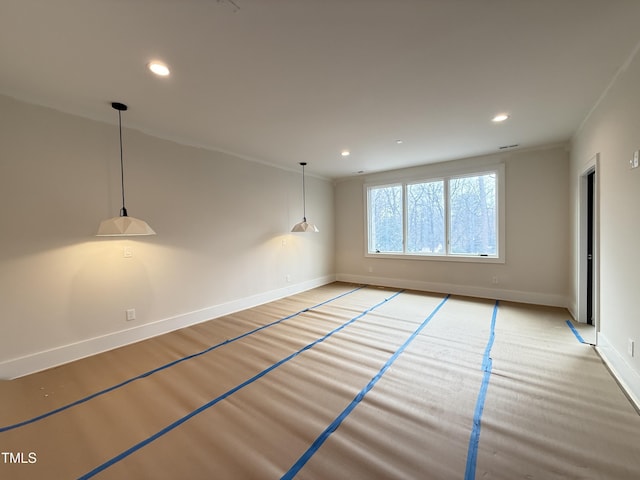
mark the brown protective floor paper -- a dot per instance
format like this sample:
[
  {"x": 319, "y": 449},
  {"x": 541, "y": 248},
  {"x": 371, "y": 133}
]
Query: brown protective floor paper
[{"x": 551, "y": 410}]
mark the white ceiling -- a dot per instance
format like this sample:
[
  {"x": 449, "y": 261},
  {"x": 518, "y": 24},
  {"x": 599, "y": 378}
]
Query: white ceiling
[{"x": 284, "y": 81}]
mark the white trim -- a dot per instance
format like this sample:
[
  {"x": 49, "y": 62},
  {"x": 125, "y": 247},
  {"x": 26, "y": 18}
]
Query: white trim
[
  {"x": 547, "y": 299},
  {"x": 438, "y": 257},
  {"x": 623, "y": 68},
  {"x": 35, "y": 362},
  {"x": 624, "y": 373}
]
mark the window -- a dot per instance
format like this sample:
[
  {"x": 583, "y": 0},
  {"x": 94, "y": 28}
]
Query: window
[
  {"x": 448, "y": 217},
  {"x": 385, "y": 232},
  {"x": 425, "y": 217},
  {"x": 472, "y": 206}
]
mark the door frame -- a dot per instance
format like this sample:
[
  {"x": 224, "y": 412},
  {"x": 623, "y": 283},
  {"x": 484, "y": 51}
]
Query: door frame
[{"x": 592, "y": 166}]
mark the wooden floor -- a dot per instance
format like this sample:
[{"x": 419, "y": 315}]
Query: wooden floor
[{"x": 339, "y": 382}]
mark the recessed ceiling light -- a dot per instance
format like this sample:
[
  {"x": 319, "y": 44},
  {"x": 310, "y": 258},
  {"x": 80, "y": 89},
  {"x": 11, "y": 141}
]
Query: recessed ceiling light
[
  {"x": 159, "y": 69},
  {"x": 501, "y": 117},
  {"x": 399, "y": 142},
  {"x": 345, "y": 153}
]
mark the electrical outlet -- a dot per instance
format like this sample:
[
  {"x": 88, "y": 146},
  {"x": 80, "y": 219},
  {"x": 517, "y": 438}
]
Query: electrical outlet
[
  {"x": 288, "y": 278},
  {"x": 630, "y": 347},
  {"x": 131, "y": 314},
  {"x": 494, "y": 280},
  {"x": 127, "y": 252}
]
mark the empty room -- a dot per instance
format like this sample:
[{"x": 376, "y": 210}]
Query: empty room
[{"x": 320, "y": 239}]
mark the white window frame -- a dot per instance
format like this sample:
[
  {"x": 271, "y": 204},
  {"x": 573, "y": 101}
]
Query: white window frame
[{"x": 444, "y": 175}]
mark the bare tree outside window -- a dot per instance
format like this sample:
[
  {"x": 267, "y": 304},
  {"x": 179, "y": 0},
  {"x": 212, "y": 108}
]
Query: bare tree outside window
[
  {"x": 453, "y": 216},
  {"x": 473, "y": 215},
  {"x": 425, "y": 217},
  {"x": 385, "y": 220}
]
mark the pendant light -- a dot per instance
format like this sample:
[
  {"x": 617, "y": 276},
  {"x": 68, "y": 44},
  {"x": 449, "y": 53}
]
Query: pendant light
[
  {"x": 304, "y": 226},
  {"x": 124, "y": 225}
]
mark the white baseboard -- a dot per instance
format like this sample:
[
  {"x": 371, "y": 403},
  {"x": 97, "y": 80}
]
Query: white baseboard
[
  {"x": 18, "y": 367},
  {"x": 627, "y": 377},
  {"x": 547, "y": 299}
]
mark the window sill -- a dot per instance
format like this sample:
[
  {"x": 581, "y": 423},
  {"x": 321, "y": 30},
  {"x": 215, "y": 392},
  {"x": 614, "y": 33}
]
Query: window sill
[{"x": 439, "y": 258}]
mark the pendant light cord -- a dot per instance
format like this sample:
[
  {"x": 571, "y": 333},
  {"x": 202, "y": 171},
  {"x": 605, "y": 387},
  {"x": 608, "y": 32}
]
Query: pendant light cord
[
  {"x": 304, "y": 197},
  {"x": 123, "y": 211}
]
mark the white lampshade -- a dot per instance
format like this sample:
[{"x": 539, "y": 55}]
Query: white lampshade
[
  {"x": 304, "y": 226},
  {"x": 123, "y": 227}
]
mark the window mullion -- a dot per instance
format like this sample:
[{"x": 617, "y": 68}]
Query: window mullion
[
  {"x": 405, "y": 219},
  {"x": 447, "y": 213}
]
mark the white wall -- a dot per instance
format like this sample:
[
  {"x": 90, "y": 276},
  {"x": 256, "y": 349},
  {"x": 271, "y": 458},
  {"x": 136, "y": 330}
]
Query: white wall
[
  {"x": 537, "y": 245},
  {"x": 613, "y": 131},
  {"x": 223, "y": 238}
]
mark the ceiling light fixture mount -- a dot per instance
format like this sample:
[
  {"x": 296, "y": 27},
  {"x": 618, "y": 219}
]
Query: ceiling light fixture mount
[
  {"x": 123, "y": 225},
  {"x": 304, "y": 226}
]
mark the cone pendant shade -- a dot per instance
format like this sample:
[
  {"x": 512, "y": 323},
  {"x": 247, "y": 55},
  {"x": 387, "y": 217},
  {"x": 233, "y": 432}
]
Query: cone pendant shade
[
  {"x": 124, "y": 225},
  {"x": 304, "y": 226}
]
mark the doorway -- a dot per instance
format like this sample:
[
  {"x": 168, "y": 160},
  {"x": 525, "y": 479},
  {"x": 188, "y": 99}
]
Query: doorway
[
  {"x": 588, "y": 272},
  {"x": 590, "y": 235}
]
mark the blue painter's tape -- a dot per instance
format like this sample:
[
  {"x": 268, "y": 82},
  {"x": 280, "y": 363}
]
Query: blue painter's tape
[
  {"x": 487, "y": 366},
  {"x": 306, "y": 456},
  {"x": 227, "y": 394},
  {"x": 171, "y": 364},
  {"x": 575, "y": 332}
]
